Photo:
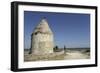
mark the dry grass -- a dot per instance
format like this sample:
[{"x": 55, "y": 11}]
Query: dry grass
[
  {"x": 45, "y": 57},
  {"x": 57, "y": 56}
]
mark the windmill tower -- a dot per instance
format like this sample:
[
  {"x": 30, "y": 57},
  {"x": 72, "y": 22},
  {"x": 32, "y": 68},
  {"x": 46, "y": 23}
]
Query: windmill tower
[{"x": 42, "y": 39}]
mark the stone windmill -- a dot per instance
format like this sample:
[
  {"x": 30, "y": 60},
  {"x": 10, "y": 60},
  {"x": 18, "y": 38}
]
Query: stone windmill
[{"x": 42, "y": 39}]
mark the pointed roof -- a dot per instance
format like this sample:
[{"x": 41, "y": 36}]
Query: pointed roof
[{"x": 43, "y": 27}]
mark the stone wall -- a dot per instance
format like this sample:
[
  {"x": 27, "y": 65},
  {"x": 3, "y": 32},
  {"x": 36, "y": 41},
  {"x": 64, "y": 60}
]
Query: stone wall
[{"x": 42, "y": 41}]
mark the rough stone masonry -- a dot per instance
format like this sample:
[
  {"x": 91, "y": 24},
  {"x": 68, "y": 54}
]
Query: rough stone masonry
[{"x": 42, "y": 39}]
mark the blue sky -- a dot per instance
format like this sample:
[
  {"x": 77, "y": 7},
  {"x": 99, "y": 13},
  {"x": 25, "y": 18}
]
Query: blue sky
[{"x": 69, "y": 29}]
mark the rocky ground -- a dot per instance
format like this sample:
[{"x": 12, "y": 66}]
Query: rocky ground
[
  {"x": 69, "y": 54},
  {"x": 77, "y": 55}
]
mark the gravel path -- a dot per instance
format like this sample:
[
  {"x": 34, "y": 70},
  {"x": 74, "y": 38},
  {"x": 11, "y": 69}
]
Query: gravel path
[{"x": 76, "y": 55}]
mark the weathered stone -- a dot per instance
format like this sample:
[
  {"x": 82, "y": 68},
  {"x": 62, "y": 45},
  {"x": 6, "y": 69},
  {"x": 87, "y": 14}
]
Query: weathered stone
[{"x": 42, "y": 39}]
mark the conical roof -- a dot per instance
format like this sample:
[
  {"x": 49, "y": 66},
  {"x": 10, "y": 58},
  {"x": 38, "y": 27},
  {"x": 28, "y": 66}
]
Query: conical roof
[{"x": 43, "y": 27}]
